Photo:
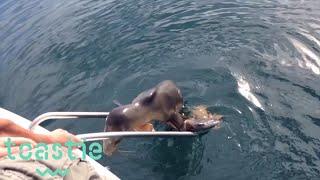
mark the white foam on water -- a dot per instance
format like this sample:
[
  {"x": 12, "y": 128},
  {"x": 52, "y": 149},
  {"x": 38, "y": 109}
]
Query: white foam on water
[{"x": 245, "y": 90}]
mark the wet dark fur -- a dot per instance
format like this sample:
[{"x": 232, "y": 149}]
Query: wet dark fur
[{"x": 161, "y": 103}]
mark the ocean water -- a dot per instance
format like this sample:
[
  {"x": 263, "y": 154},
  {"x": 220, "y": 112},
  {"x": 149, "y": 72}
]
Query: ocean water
[{"x": 255, "y": 62}]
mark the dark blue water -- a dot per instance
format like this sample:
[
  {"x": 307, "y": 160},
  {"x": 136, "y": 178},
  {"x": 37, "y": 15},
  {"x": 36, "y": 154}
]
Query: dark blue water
[{"x": 255, "y": 62}]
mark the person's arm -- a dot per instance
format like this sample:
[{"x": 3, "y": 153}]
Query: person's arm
[{"x": 10, "y": 129}]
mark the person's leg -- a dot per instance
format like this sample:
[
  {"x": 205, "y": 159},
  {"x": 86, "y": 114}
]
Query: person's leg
[{"x": 32, "y": 168}]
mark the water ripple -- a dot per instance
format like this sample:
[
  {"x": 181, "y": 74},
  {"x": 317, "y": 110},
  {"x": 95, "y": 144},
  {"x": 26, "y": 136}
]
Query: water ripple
[{"x": 255, "y": 62}]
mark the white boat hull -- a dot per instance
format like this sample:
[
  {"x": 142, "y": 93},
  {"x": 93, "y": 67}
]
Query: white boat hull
[{"x": 25, "y": 123}]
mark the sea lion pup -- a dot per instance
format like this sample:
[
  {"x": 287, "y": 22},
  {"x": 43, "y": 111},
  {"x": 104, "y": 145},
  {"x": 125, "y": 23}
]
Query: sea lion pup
[{"x": 161, "y": 103}]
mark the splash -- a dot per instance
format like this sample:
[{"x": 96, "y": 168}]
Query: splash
[{"x": 245, "y": 90}]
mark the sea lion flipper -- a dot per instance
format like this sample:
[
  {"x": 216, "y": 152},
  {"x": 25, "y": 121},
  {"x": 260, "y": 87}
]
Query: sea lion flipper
[
  {"x": 176, "y": 121},
  {"x": 145, "y": 127}
]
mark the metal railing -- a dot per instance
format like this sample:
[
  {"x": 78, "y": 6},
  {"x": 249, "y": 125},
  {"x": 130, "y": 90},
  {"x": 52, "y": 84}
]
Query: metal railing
[{"x": 103, "y": 135}]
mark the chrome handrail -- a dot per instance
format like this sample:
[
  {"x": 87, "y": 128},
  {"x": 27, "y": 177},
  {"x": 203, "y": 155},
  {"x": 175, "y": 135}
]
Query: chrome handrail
[
  {"x": 66, "y": 115},
  {"x": 103, "y": 135},
  {"x": 106, "y": 135}
]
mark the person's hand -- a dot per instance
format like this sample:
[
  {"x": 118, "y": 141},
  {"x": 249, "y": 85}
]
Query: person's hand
[
  {"x": 61, "y": 136},
  {"x": 16, "y": 142}
]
